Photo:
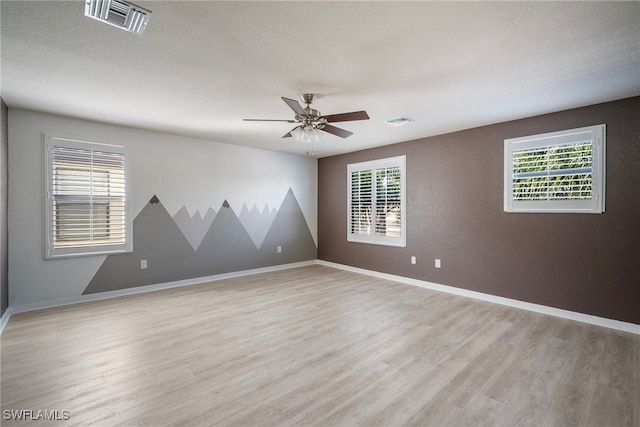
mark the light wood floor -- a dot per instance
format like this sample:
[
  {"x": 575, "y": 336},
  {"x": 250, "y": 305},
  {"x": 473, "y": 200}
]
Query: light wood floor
[{"x": 316, "y": 346}]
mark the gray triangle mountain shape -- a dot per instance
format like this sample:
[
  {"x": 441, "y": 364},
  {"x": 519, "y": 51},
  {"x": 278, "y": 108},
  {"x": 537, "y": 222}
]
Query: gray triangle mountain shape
[
  {"x": 157, "y": 239},
  {"x": 194, "y": 228},
  {"x": 226, "y": 247},
  {"x": 257, "y": 224},
  {"x": 290, "y": 231}
]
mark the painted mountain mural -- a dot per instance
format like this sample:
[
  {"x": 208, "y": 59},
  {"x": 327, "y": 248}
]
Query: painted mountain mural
[
  {"x": 257, "y": 223},
  {"x": 176, "y": 248},
  {"x": 194, "y": 227}
]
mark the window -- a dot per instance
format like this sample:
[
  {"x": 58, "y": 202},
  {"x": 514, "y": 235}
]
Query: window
[
  {"x": 87, "y": 199},
  {"x": 556, "y": 172},
  {"x": 376, "y": 202}
]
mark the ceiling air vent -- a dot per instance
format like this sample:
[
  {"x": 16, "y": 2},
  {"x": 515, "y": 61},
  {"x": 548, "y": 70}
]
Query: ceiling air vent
[
  {"x": 399, "y": 121},
  {"x": 118, "y": 13}
]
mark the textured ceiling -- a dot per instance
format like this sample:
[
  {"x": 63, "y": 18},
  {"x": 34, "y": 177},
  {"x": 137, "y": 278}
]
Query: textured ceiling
[{"x": 201, "y": 67}]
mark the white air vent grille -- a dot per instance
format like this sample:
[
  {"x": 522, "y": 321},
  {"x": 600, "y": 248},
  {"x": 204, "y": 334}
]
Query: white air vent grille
[
  {"x": 399, "y": 121},
  {"x": 118, "y": 13}
]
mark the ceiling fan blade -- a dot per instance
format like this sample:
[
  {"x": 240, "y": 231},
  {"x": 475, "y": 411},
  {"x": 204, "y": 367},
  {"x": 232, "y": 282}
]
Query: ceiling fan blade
[
  {"x": 337, "y": 131},
  {"x": 289, "y": 134},
  {"x": 295, "y": 106},
  {"x": 346, "y": 117},
  {"x": 268, "y": 120}
]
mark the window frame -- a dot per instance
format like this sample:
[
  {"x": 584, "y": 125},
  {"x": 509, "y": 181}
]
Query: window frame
[
  {"x": 373, "y": 166},
  {"x": 596, "y": 204},
  {"x": 50, "y": 251}
]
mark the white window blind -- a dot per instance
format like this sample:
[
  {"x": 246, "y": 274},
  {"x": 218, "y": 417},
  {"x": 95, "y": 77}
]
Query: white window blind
[
  {"x": 556, "y": 172},
  {"x": 87, "y": 203},
  {"x": 361, "y": 203},
  {"x": 376, "y": 202}
]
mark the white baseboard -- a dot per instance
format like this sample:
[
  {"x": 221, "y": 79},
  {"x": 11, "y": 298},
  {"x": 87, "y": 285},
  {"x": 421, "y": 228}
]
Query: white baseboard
[
  {"x": 5, "y": 319},
  {"x": 143, "y": 289},
  {"x": 538, "y": 308},
  {"x": 557, "y": 312}
]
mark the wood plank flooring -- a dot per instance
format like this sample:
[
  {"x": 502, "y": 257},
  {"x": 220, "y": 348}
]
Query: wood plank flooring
[{"x": 315, "y": 346}]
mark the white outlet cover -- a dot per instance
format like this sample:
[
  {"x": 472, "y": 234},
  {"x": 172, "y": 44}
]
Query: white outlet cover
[
  {"x": 143, "y": 264},
  {"x": 413, "y": 260},
  {"x": 437, "y": 263}
]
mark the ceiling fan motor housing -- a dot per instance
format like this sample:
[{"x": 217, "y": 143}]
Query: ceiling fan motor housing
[
  {"x": 310, "y": 113},
  {"x": 312, "y": 118}
]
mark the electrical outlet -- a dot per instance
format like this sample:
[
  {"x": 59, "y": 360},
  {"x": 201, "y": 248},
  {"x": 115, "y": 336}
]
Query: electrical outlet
[
  {"x": 143, "y": 264},
  {"x": 279, "y": 249},
  {"x": 437, "y": 263},
  {"x": 413, "y": 260}
]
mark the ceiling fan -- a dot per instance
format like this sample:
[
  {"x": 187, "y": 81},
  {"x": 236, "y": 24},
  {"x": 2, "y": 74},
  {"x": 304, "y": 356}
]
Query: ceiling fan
[{"x": 310, "y": 120}]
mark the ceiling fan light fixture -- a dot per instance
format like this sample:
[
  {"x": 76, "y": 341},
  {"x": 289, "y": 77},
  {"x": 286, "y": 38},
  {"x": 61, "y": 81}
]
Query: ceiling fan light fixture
[{"x": 306, "y": 133}]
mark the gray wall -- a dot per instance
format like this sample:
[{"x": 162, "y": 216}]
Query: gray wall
[
  {"x": 589, "y": 263},
  {"x": 4, "y": 143},
  {"x": 191, "y": 178}
]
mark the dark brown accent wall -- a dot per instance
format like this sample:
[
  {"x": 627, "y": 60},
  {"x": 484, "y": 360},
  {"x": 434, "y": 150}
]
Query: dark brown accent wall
[
  {"x": 4, "y": 143},
  {"x": 588, "y": 263}
]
